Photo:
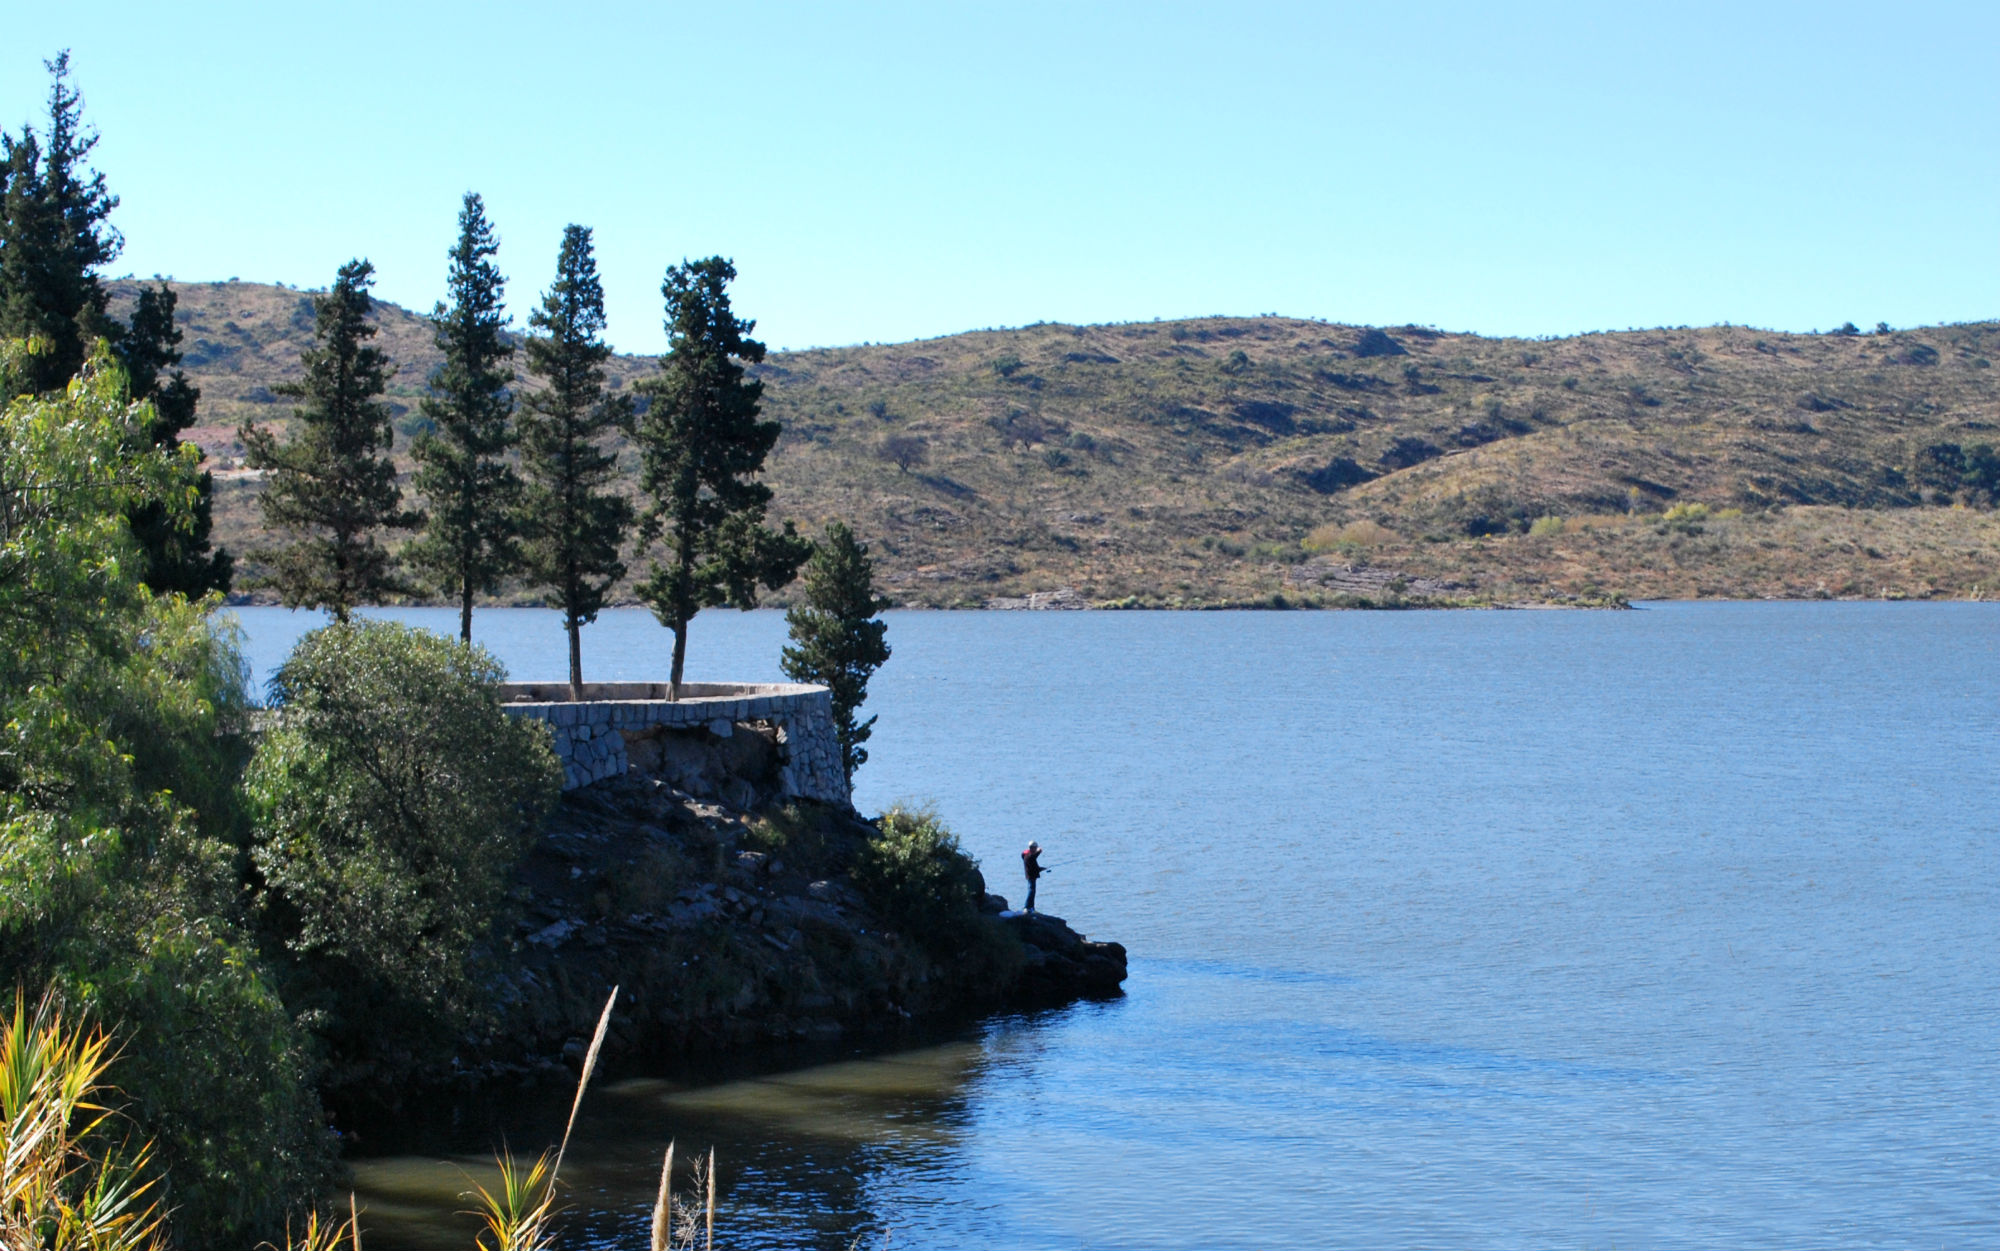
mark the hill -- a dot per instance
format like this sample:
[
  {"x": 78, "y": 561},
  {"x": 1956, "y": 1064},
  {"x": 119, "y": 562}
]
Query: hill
[{"x": 1233, "y": 460}]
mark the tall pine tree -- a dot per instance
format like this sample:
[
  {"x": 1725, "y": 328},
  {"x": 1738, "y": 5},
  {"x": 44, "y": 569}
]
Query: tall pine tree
[
  {"x": 574, "y": 528},
  {"x": 701, "y": 449},
  {"x": 176, "y": 550},
  {"x": 53, "y": 238},
  {"x": 839, "y": 642},
  {"x": 331, "y": 486},
  {"x": 470, "y": 539}
]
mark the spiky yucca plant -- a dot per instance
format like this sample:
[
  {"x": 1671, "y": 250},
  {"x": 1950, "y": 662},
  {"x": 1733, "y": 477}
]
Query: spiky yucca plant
[{"x": 65, "y": 1184}]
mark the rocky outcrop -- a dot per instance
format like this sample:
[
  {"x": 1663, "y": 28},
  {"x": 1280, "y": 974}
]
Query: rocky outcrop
[
  {"x": 1062, "y": 964},
  {"x": 729, "y": 926}
]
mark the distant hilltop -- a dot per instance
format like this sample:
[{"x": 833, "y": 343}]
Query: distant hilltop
[{"x": 1273, "y": 461}]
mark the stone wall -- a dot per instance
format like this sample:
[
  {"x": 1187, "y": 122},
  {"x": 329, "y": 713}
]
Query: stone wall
[{"x": 592, "y": 736}]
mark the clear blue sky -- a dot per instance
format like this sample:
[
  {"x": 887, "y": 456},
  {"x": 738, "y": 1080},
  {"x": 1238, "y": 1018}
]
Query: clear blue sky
[{"x": 884, "y": 172}]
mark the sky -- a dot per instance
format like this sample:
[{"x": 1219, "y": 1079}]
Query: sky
[{"x": 883, "y": 172}]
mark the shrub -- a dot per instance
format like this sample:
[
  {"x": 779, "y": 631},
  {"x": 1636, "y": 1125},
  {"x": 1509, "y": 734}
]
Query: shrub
[
  {"x": 1546, "y": 526},
  {"x": 1353, "y": 536},
  {"x": 392, "y": 798},
  {"x": 1410, "y": 450},
  {"x": 914, "y": 873},
  {"x": 1684, "y": 518},
  {"x": 905, "y": 451}
]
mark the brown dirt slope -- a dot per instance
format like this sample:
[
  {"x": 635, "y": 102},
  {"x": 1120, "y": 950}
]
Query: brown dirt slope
[{"x": 1233, "y": 460}]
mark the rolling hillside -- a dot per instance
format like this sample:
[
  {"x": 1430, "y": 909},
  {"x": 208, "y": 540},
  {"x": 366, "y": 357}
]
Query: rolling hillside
[{"x": 1234, "y": 460}]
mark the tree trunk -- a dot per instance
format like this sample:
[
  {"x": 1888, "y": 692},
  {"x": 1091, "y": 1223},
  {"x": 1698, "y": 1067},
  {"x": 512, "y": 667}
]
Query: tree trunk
[
  {"x": 680, "y": 658},
  {"x": 575, "y": 661},
  {"x": 465, "y": 614}
]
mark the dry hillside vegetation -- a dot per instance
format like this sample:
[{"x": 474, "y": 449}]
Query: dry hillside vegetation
[{"x": 1261, "y": 460}]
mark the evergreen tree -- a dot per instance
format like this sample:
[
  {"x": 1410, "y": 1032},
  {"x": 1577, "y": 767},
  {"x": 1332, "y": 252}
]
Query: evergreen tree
[
  {"x": 176, "y": 552},
  {"x": 701, "y": 447},
  {"x": 839, "y": 642},
  {"x": 331, "y": 485},
  {"x": 469, "y": 542},
  {"x": 53, "y": 238},
  {"x": 574, "y": 529}
]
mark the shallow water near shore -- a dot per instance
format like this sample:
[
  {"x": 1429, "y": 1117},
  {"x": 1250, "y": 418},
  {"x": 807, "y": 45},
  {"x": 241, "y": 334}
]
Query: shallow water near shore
[{"x": 1665, "y": 928}]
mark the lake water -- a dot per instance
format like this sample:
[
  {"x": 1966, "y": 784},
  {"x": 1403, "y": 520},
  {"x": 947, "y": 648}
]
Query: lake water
[{"x": 1665, "y": 928}]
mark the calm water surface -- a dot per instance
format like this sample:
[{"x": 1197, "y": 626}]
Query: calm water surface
[{"x": 1668, "y": 928}]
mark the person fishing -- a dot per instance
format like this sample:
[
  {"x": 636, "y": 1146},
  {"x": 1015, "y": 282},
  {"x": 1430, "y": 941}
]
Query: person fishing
[{"x": 1031, "y": 864}]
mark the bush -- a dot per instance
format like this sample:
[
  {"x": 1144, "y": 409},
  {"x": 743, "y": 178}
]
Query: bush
[
  {"x": 914, "y": 873},
  {"x": 1546, "y": 526},
  {"x": 905, "y": 451},
  {"x": 1685, "y": 518},
  {"x": 1352, "y": 537},
  {"x": 392, "y": 799}
]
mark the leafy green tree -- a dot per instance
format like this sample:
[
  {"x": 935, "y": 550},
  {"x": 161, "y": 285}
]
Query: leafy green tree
[
  {"x": 701, "y": 449},
  {"x": 121, "y": 718},
  {"x": 575, "y": 529},
  {"x": 54, "y": 237},
  {"x": 469, "y": 542},
  {"x": 391, "y": 799},
  {"x": 838, "y": 641},
  {"x": 178, "y": 556},
  {"x": 331, "y": 486}
]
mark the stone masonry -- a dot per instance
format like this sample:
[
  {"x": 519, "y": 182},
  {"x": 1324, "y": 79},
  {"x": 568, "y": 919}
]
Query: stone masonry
[{"x": 590, "y": 736}]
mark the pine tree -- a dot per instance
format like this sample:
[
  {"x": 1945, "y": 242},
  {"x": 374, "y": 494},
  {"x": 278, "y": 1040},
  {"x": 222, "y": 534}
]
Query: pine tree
[
  {"x": 332, "y": 485},
  {"x": 469, "y": 542},
  {"x": 53, "y": 238},
  {"x": 177, "y": 552},
  {"x": 839, "y": 641},
  {"x": 574, "y": 529},
  {"x": 701, "y": 447}
]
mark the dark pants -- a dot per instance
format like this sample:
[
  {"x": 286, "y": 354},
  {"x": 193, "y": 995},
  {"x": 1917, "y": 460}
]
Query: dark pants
[{"x": 1030, "y": 905}]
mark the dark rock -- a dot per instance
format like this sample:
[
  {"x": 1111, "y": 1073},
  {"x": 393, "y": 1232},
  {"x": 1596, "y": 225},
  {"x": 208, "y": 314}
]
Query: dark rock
[
  {"x": 1063, "y": 964},
  {"x": 642, "y": 884}
]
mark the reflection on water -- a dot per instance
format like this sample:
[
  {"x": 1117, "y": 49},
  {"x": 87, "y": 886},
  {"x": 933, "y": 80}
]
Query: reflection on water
[{"x": 809, "y": 1157}]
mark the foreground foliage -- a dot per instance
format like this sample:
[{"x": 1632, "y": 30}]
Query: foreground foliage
[
  {"x": 65, "y": 1179},
  {"x": 391, "y": 797},
  {"x": 120, "y": 719}
]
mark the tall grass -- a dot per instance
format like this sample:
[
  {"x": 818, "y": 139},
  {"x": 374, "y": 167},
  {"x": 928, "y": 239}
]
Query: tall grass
[{"x": 69, "y": 1183}]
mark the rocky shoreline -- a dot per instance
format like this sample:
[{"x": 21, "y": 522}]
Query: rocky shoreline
[{"x": 728, "y": 928}]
